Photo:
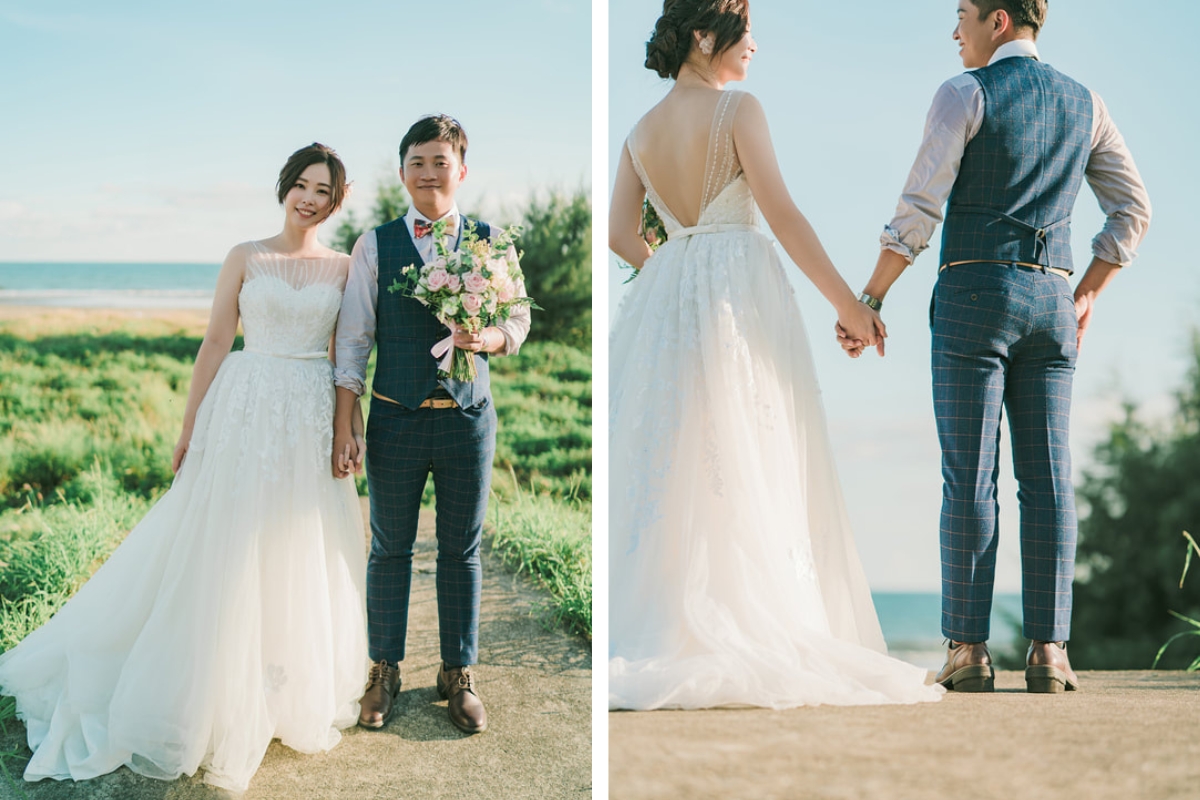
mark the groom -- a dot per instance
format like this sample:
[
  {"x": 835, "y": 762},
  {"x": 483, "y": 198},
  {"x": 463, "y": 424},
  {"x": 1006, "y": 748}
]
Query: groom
[
  {"x": 420, "y": 423},
  {"x": 1008, "y": 147}
]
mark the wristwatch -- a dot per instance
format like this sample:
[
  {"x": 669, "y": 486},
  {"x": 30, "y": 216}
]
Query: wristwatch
[{"x": 873, "y": 303}]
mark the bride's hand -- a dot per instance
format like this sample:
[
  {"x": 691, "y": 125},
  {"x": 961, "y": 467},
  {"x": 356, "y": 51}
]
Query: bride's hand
[
  {"x": 344, "y": 454},
  {"x": 860, "y": 327},
  {"x": 181, "y": 448}
]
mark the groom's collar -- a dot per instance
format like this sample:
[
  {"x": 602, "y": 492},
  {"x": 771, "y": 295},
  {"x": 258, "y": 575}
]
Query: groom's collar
[
  {"x": 414, "y": 215},
  {"x": 1017, "y": 47}
]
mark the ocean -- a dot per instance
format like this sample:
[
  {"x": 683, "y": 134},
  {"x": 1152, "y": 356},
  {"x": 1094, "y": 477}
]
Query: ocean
[
  {"x": 108, "y": 285},
  {"x": 911, "y": 623}
]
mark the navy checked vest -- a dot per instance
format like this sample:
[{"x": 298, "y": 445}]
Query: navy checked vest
[
  {"x": 405, "y": 330},
  {"x": 1021, "y": 173}
]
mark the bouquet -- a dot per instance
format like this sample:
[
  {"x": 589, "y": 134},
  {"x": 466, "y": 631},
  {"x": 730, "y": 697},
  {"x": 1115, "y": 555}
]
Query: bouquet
[
  {"x": 652, "y": 230},
  {"x": 468, "y": 289}
]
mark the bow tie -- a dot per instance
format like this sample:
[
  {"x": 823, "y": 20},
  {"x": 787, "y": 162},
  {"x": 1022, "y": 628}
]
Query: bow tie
[{"x": 423, "y": 227}]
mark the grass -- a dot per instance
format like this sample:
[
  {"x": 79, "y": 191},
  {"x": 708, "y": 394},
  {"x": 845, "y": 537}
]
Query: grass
[
  {"x": 551, "y": 541},
  {"x": 1195, "y": 624}
]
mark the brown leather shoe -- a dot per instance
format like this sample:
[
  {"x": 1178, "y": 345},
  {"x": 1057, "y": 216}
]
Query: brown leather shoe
[
  {"x": 383, "y": 684},
  {"x": 1047, "y": 670},
  {"x": 457, "y": 685},
  {"x": 968, "y": 668}
]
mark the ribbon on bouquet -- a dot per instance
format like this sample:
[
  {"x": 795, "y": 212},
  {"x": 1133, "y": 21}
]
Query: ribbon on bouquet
[{"x": 444, "y": 349}]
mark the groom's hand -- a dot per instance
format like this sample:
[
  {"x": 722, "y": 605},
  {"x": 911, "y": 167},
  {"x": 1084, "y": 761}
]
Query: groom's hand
[
  {"x": 1083, "y": 313},
  {"x": 488, "y": 340}
]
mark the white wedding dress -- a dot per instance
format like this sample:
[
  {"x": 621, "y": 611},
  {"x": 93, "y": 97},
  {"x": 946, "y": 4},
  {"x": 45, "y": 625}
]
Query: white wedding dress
[
  {"x": 733, "y": 574},
  {"x": 234, "y": 612}
]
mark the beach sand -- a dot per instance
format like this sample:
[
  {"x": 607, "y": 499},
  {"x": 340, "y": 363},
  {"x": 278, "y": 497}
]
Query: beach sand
[{"x": 31, "y": 321}]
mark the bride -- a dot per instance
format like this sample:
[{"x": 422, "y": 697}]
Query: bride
[
  {"x": 734, "y": 578},
  {"x": 234, "y": 612}
]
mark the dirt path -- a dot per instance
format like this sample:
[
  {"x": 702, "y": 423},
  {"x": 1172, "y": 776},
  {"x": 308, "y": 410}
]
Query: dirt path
[{"x": 536, "y": 684}]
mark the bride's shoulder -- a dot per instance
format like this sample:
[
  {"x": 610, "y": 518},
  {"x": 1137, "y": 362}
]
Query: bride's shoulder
[
  {"x": 240, "y": 254},
  {"x": 739, "y": 98}
]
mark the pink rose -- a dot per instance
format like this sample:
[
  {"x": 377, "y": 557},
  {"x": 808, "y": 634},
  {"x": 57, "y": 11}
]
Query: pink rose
[
  {"x": 507, "y": 292},
  {"x": 453, "y": 282},
  {"x": 471, "y": 303},
  {"x": 475, "y": 282},
  {"x": 498, "y": 267},
  {"x": 437, "y": 278}
]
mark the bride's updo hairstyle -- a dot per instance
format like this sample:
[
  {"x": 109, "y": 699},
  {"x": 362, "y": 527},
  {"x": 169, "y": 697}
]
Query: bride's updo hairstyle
[
  {"x": 305, "y": 157},
  {"x": 672, "y": 39}
]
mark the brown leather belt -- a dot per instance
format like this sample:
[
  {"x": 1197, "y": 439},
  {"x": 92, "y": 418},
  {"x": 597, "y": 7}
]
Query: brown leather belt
[
  {"x": 1039, "y": 267},
  {"x": 428, "y": 402}
]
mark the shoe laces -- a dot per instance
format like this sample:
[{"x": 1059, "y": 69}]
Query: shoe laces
[{"x": 379, "y": 672}]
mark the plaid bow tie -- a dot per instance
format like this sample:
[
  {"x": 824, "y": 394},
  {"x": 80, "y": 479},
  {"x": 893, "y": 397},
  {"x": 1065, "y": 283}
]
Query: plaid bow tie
[{"x": 423, "y": 227}]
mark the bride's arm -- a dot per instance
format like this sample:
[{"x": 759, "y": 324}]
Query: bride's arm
[
  {"x": 345, "y": 463},
  {"x": 752, "y": 139},
  {"x": 222, "y": 328},
  {"x": 625, "y": 214}
]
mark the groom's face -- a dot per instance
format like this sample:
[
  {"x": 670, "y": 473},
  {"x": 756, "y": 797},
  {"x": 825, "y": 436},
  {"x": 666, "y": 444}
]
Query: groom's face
[
  {"x": 974, "y": 35},
  {"x": 432, "y": 172}
]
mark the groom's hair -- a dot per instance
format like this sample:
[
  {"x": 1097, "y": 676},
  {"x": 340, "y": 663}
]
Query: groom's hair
[
  {"x": 436, "y": 128},
  {"x": 1024, "y": 13},
  {"x": 672, "y": 40}
]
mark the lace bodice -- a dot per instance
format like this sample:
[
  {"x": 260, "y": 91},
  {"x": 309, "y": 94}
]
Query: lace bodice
[
  {"x": 727, "y": 198},
  {"x": 289, "y": 306}
]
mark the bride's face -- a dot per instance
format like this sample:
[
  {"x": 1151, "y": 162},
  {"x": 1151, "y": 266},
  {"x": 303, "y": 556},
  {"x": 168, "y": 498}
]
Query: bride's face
[
  {"x": 307, "y": 203},
  {"x": 734, "y": 63}
]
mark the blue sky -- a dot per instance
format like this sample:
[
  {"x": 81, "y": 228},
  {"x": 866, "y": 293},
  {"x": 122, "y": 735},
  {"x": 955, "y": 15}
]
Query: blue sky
[
  {"x": 846, "y": 87},
  {"x": 149, "y": 131}
]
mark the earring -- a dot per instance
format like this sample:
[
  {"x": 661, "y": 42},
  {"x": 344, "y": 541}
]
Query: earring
[{"x": 706, "y": 45}]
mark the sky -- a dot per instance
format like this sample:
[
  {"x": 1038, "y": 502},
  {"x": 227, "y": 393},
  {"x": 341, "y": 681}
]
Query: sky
[
  {"x": 150, "y": 131},
  {"x": 846, "y": 87}
]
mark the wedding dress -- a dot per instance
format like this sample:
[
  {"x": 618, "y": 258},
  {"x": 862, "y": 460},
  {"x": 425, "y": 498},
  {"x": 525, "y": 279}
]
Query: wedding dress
[
  {"x": 734, "y": 578},
  {"x": 234, "y": 612}
]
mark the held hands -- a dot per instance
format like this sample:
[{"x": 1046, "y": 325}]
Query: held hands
[
  {"x": 858, "y": 328},
  {"x": 349, "y": 450}
]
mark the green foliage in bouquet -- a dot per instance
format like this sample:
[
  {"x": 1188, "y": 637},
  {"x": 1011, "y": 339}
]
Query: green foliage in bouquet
[{"x": 652, "y": 230}]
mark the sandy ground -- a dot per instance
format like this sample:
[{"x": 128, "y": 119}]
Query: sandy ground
[
  {"x": 31, "y": 320},
  {"x": 536, "y": 684},
  {"x": 1127, "y": 735}
]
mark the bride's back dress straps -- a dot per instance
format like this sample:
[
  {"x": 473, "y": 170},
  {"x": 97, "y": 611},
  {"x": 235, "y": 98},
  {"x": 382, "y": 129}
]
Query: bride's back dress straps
[{"x": 723, "y": 166}]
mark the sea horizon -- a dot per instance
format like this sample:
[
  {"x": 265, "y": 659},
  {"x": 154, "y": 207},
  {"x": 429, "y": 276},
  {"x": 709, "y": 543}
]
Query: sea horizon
[{"x": 108, "y": 284}]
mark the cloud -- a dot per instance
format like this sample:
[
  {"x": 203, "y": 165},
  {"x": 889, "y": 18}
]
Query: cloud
[{"x": 11, "y": 210}]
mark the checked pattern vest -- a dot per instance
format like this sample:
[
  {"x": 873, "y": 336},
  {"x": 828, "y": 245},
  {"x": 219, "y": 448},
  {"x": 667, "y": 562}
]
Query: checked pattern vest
[
  {"x": 1021, "y": 173},
  {"x": 405, "y": 330}
]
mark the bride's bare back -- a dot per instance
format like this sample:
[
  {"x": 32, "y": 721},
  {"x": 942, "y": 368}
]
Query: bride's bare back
[
  {"x": 690, "y": 146},
  {"x": 685, "y": 146}
]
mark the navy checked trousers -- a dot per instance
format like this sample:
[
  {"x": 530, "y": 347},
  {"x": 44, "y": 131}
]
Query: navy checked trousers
[
  {"x": 403, "y": 447},
  {"x": 1004, "y": 339}
]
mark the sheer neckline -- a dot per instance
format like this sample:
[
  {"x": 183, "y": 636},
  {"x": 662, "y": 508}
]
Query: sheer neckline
[{"x": 262, "y": 249}]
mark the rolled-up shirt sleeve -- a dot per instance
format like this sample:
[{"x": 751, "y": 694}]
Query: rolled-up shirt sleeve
[
  {"x": 516, "y": 327},
  {"x": 356, "y": 323},
  {"x": 1118, "y": 187},
  {"x": 953, "y": 120}
]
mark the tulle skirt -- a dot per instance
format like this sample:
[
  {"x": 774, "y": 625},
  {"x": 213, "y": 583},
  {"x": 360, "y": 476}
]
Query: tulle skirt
[
  {"x": 734, "y": 577},
  {"x": 232, "y": 614}
]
